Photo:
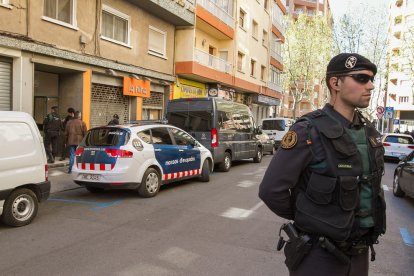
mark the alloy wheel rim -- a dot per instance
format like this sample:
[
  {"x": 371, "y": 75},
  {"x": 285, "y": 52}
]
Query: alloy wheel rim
[
  {"x": 395, "y": 186},
  {"x": 152, "y": 183},
  {"x": 23, "y": 207},
  {"x": 227, "y": 162}
]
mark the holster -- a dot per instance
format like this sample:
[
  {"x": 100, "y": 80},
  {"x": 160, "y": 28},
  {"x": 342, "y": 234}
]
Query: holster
[{"x": 295, "y": 250}]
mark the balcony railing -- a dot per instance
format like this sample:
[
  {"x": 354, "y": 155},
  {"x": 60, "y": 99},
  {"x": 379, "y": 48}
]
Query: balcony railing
[
  {"x": 279, "y": 25},
  {"x": 212, "y": 61},
  {"x": 276, "y": 55},
  {"x": 275, "y": 86},
  {"x": 217, "y": 11}
]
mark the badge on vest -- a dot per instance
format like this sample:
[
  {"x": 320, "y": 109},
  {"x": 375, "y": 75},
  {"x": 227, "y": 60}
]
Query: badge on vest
[
  {"x": 289, "y": 140},
  {"x": 344, "y": 166}
]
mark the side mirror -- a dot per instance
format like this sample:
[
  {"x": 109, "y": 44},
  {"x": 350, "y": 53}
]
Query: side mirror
[{"x": 402, "y": 157}]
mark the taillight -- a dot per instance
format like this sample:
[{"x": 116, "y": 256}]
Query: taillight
[
  {"x": 79, "y": 151},
  {"x": 214, "y": 138},
  {"x": 386, "y": 145},
  {"x": 119, "y": 153},
  {"x": 46, "y": 172},
  {"x": 411, "y": 147}
]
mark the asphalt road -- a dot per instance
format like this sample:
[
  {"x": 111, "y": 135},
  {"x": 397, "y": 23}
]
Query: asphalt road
[{"x": 189, "y": 228}]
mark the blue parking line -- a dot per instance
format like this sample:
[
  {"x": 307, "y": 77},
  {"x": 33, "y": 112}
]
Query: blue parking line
[
  {"x": 406, "y": 236},
  {"x": 100, "y": 205}
]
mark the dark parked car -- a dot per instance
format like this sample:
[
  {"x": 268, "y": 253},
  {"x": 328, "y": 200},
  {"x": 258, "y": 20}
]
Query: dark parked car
[
  {"x": 268, "y": 144},
  {"x": 404, "y": 177}
]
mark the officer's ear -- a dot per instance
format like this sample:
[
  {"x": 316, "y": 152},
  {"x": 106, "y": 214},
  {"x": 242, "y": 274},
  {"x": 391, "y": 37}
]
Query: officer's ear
[{"x": 333, "y": 82}]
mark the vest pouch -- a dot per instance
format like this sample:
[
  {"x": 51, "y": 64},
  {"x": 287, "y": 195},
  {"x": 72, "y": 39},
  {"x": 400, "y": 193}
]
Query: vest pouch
[
  {"x": 342, "y": 142},
  {"x": 348, "y": 192},
  {"x": 320, "y": 188},
  {"x": 328, "y": 220}
]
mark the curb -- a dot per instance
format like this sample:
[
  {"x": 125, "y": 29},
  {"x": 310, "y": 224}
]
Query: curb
[{"x": 58, "y": 164}]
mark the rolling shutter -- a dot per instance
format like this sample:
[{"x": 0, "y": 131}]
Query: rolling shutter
[{"x": 5, "y": 86}]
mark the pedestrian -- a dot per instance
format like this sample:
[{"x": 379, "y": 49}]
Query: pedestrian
[
  {"x": 71, "y": 114},
  {"x": 326, "y": 177},
  {"x": 114, "y": 121},
  {"x": 75, "y": 131},
  {"x": 397, "y": 130},
  {"x": 412, "y": 133},
  {"x": 52, "y": 127},
  {"x": 406, "y": 132}
]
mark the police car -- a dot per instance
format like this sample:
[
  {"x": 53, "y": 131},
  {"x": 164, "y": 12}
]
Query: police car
[{"x": 139, "y": 156}]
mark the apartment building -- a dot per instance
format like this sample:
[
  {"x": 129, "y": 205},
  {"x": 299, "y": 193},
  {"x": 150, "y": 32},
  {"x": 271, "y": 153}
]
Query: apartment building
[
  {"x": 400, "y": 63},
  {"x": 99, "y": 56},
  {"x": 310, "y": 8},
  {"x": 233, "y": 52}
]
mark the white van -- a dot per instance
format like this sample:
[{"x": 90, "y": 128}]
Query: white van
[
  {"x": 276, "y": 128},
  {"x": 23, "y": 168}
]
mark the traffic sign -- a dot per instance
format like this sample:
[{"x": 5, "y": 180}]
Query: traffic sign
[
  {"x": 379, "y": 115},
  {"x": 389, "y": 112},
  {"x": 380, "y": 109}
]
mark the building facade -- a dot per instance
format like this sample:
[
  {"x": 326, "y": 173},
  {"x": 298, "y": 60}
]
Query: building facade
[
  {"x": 232, "y": 52},
  {"x": 100, "y": 57},
  {"x": 310, "y": 8},
  {"x": 400, "y": 65}
]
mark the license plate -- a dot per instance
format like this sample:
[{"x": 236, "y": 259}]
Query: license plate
[{"x": 93, "y": 177}]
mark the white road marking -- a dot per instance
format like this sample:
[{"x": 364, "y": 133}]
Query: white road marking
[
  {"x": 55, "y": 173},
  {"x": 239, "y": 213},
  {"x": 385, "y": 187},
  {"x": 246, "y": 183},
  {"x": 180, "y": 257}
]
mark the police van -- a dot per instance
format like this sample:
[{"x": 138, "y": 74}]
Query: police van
[
  {"x": 140, "y": 156},
  {"x": 224, "y": 127}
]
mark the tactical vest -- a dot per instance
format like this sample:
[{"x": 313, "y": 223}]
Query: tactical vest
[{"x": 327, "y": 200}]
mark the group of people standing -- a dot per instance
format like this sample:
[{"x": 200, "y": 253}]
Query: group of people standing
[{"x": 73, "y": 130}]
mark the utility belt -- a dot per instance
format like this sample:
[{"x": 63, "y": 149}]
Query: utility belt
[{"x": 300, "y": 244}]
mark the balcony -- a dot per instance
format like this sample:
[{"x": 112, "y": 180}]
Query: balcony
[
  {"x": 212, "y": 61},
  {"x": 214, "y": 9},
  {"x": 275, "y": 86},
  {"x": 276, "y": 55},
  {"x": 178, "y": 13},
  {"x": 279, "y": 25}
]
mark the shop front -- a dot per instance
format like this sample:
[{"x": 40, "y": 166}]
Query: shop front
[
  {"x": 5, "y": 84},
  {"x": 188, "y": 89},
  {"x": 264, "y": 106}
]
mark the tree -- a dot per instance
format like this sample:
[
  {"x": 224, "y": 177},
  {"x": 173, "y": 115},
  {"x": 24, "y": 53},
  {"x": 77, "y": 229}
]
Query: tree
[
  {"x": 307, "y": 50},
  {"x": 367, "y": 35}
]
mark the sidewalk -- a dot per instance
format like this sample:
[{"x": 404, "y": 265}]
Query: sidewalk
[
  {"x": 59, "y": 178},
  {"x": 58, "y": 163}
]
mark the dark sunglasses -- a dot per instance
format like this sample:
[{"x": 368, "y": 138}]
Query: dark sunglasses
[{"x": 361, "y": 78}]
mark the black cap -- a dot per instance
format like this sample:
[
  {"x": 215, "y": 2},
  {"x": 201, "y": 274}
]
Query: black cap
[
  {"x": 54, "y": 107},
  {"x": 116, "y": 116},
  {"x": 71, "y": 110},
  {"x": 349, "y": 62}
]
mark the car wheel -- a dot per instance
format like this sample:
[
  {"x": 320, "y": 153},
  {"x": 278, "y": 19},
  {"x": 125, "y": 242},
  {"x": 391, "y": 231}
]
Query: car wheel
[
  {"x": 94, "y": 190},
  {"x": 273, "y": 150},
  {"x": 150, "y": 184},
  {"x": 205, "y": 172},
  {"x": 226, "y": 164},
  {"x": 396, "y": 186},
  {"x": 20, "y": 208},
  {"x": 259, "y": 155}
]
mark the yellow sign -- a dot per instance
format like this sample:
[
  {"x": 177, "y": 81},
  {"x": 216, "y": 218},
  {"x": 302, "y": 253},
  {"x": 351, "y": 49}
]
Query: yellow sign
[
  {"x": 136, "y": 88},
  {"x": 189, "y": 89}
]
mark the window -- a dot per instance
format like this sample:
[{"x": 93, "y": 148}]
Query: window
[
  {"x": 240, "y": 58},
  {"x": 242, "y": 18},
  {"x": 255, "y": 29},
  {"x": 157, "y": 42},
  {"x": 403, "y": 99},
  {"x": 265, "y": 38},
  {"x": 266, "y": 4},
  {"x": 115, "y": 25},
  {"x": 145, "y": 136},
  {"x": 161, "y": 135},
  {"x": 252, "y": 67},
  {"x": 58, "y": 11},
  {"x": 263, "y": 73},
  {"x": 181, "y": 138}
]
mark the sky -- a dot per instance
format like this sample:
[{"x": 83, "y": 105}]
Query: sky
[{"x": 339, "y": 7}]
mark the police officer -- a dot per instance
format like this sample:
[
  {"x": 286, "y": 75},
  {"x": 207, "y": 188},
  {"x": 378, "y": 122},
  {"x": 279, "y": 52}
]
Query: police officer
[
  {"x": 326, "y": 177},
  {"x": 52, "y": 126},
  {"x": 114, "y": 121}
]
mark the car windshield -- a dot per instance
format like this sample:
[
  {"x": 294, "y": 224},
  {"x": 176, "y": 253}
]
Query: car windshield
[
  {"x": 107, "y": 136},
  {"x": 399, "y": 139},
  {"x": 273, "y": 125}
]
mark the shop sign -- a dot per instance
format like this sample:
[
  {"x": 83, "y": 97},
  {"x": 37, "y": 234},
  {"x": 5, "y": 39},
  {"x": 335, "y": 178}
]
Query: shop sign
[
  {"x": 188, "y": 91},
  {"x": 136, "y": 88},
  {"x": 261, "y": 99}
]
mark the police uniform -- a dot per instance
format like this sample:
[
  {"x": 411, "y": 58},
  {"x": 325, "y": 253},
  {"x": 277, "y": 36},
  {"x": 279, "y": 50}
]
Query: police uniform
[
  {"x": 52, "y": 126},
  {"x": 326, "y": 178}
]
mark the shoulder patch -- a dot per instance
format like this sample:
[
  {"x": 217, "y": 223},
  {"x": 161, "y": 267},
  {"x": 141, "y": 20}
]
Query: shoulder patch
[{"x": 289, "y": 140}]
